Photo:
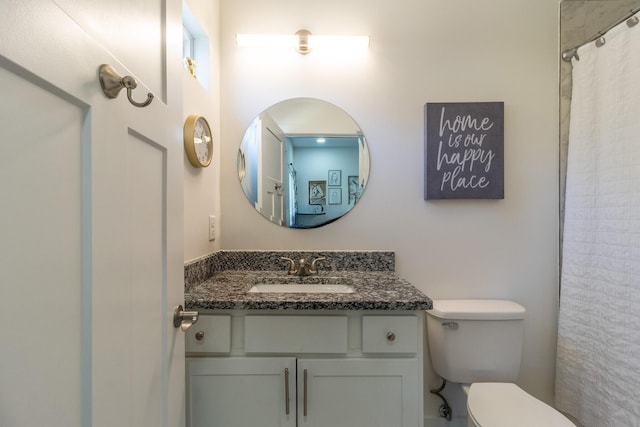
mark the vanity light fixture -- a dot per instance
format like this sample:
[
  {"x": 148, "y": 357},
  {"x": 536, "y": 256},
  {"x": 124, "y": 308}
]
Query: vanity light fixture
[
  {"x": 302, "y": 41},
  {"x": 321, "y": 140}
]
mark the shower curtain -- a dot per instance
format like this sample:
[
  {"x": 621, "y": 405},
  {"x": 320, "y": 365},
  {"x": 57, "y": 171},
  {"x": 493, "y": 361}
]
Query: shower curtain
[{"x": 598, "y": 358}]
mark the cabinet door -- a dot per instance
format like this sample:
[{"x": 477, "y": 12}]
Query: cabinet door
[
  {"x": 359, "y": 393},
  {"x": 241, "y": 392}
]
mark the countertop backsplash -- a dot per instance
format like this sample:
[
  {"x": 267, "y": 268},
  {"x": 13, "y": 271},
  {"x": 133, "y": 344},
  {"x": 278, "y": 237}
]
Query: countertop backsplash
[{"x": 202, "y": 269}]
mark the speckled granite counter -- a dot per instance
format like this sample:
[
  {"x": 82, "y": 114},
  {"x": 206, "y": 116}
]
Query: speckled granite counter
[
  {"x": 373, "y": 291},
  {"x": 376, "y": 285}
]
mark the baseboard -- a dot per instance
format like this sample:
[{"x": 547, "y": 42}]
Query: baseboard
[{"x": 442, "y": 422}]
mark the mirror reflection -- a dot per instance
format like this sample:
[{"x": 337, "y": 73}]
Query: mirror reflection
[{"x": 303, "y": 163}]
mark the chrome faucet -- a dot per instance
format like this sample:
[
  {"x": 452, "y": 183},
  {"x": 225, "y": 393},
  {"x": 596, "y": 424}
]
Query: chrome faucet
[{"x": 303, "y": 268}]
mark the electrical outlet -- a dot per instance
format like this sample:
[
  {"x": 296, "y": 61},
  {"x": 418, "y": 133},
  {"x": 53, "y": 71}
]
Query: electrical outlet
[{"x": 212, "y": 228}]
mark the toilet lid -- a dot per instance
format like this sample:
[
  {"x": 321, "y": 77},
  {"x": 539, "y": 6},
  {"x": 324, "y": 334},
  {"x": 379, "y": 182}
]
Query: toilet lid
[{"x": 507, "y": 405}]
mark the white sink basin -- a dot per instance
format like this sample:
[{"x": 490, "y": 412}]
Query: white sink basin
[{"x": 306, "y": 288}]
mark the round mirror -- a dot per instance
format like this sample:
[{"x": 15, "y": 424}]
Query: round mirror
[{"x": 303, "y": 163}]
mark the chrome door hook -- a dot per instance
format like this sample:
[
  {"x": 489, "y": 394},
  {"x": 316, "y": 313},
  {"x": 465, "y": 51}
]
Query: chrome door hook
[{"x": 112, "y": 83}]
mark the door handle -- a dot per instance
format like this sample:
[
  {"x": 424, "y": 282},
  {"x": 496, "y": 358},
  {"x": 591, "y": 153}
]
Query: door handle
[
  {"x": 286, "y": 390},
  {"x": 184, "y": 319},
  {"x": 304, "y": 394}
]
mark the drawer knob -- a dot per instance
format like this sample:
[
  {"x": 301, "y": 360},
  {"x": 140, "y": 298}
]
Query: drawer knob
[
  {"x": 391, "y": 336},
  {"x": 200, "y": 335}
]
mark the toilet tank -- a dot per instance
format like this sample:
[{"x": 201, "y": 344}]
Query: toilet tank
[{"x": 476, "y": 340}]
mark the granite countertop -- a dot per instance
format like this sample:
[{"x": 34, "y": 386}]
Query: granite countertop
[{"x": 374, "y": 290}]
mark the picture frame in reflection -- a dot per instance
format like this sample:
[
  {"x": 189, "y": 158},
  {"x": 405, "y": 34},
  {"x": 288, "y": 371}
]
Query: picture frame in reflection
[
  {"x": 317, "y": 192},
  {"x": 334, "y": 178},
  {"x": 353, "y": 188},
  {"x": 335, "y": 196}
]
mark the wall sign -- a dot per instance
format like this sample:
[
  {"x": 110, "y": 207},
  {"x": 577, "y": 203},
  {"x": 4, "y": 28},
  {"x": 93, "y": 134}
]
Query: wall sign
[{"x": 464, "y": 150}]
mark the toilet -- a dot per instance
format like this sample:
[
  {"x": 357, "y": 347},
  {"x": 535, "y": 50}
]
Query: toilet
[{"x": 478, "y": 343}]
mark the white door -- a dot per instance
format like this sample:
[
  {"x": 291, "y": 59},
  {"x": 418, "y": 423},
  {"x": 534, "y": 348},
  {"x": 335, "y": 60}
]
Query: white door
[
  {"x": 272, "y": 171},
  {"x": 90, "y": 215}
]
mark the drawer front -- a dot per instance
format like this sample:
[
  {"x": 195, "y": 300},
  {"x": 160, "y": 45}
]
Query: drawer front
[
  {"x": 210, "y": 334},
  {"x": 295, "y": 334},
  {"x": 389, "y": 334}
]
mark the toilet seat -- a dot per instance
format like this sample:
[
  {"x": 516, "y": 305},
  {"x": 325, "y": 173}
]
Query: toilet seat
[{"x": 507, "y": 405}]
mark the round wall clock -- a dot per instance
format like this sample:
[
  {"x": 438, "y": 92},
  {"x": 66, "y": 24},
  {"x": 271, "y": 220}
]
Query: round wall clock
[{"x": 198, "y": 141}]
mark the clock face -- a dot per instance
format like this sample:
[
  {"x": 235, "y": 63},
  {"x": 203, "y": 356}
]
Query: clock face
[{"x": 202, "y": 140}]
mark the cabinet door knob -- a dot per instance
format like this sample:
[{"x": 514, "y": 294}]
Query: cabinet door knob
[
  {"x": 391, "y": 336},
  {"x": 200, "y": 335}
]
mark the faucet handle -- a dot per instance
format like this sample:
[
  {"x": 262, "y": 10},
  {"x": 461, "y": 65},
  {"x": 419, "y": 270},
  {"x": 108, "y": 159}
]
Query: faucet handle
[
  {"x": 313, "y": 268},
  {"x": 292, "y": 265}
]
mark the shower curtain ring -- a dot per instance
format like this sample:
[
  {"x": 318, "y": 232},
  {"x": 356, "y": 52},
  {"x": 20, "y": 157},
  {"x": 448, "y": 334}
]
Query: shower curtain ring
[{"x": 569, "y": 54}]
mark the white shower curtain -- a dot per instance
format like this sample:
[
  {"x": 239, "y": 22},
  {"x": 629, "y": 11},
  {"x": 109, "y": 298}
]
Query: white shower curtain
[{"x": 598, "y": 359}]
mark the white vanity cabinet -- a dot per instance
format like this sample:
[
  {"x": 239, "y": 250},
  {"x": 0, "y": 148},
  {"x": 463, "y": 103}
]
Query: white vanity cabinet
[{"x": 305, "y": 368}]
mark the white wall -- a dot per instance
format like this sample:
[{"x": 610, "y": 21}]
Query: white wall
[
  {"x": 421, "y": 51},
  {"x": 202, "y": 186}
]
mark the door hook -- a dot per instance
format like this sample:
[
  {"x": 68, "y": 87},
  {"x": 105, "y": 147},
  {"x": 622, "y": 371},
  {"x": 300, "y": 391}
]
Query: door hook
[{"x": 112, "y": 83}]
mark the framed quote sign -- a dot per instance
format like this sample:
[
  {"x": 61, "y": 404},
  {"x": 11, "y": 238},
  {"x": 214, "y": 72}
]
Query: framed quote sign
[{"x": 464, "y": 150}]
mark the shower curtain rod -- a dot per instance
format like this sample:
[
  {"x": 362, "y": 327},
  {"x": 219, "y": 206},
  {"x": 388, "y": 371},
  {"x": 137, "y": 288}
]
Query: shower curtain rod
[{"x": 568, "y": 54}]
